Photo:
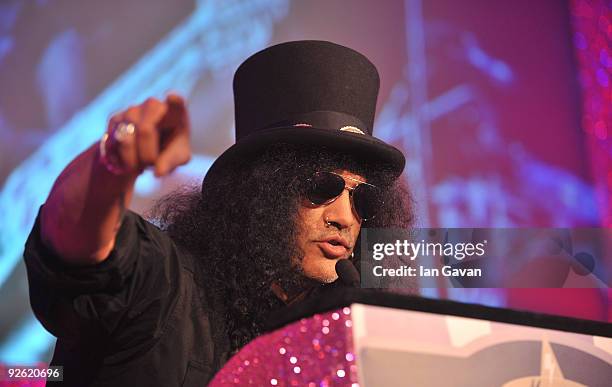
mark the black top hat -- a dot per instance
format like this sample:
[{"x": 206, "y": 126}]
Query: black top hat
[{"x": 308, "y": 92}]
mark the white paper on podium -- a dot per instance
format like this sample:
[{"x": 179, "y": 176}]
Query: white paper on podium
[{"x": 397, "y": 347}]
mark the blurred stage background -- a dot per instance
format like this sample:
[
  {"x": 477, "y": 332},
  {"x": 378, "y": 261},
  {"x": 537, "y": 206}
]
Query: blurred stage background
[{"x": 502, "y": 108}]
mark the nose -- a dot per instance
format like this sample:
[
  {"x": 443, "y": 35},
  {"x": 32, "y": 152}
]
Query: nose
[{"x": 339, "y": 213}]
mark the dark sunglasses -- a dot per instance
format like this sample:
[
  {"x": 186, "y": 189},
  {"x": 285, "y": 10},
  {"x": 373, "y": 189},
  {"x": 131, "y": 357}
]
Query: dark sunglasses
[{"x": 325, "y": 187}]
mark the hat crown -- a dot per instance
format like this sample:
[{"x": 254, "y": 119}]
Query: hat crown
[{"x": 316, "y": 81}]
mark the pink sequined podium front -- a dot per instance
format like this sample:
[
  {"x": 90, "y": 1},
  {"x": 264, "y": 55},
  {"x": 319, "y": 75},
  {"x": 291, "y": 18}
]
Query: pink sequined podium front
[{"x": 317, "y": 351}]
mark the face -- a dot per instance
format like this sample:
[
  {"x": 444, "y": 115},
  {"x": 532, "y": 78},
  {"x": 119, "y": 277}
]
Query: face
[{"x": 328, "y": 232}]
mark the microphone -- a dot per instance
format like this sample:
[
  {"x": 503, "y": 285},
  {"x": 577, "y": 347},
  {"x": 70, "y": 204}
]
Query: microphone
[{"x": 347, "y": 273}]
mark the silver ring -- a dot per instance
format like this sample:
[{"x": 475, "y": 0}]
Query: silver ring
[{"x": 123, "y": 130}]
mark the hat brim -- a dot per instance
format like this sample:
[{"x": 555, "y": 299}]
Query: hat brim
[{"x": 364, "y": 147}]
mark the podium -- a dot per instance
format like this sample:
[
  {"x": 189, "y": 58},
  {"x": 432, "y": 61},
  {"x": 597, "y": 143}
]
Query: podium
[{"x": 356, "y": 337}]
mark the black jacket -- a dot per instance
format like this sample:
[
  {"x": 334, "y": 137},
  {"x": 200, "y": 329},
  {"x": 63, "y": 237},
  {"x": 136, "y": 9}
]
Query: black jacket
[{"x": 143, "y": 317}]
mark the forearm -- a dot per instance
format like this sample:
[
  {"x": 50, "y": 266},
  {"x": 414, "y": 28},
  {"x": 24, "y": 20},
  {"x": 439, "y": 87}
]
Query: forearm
[{"x": 82, "y": 214}]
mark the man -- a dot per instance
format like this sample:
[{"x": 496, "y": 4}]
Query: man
[{"x": 134, "y": 305}]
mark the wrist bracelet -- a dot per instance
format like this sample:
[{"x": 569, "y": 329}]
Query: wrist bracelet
[{"x": 109, "y": 162}]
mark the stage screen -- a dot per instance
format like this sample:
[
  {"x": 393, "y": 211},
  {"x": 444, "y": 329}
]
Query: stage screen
[{"x": 484, "y": 98}]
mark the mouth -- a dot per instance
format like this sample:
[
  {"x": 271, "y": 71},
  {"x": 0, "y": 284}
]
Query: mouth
[{"x": 335, "y": 247}]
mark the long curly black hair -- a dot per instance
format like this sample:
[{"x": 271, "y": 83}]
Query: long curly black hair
[{"x": 242, "y": 226}]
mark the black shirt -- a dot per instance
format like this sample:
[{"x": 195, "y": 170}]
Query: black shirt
[{"x": 142, "y": 317}]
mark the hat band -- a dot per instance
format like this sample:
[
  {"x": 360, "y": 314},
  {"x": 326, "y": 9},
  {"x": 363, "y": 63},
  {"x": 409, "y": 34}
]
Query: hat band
[{"x": 324, "y": 119}]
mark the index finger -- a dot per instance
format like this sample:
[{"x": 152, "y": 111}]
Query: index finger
[{"x": 176, "y": 116}]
